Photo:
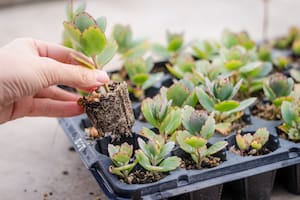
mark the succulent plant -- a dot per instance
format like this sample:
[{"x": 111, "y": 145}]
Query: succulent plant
[
  {"x": 197, "y": 147},
  {"x": 127, "y": 46},
  {"x": 198, "y": 122},
  {"x": 291, "y": 117},
  {"x": 281, "y": 62},
  {"x": 218, "y": 97},
  {"x": 159, "y": 114},
  {"x": 264, "y": 53},
  {"x": 287, "y": 41},
  {"x": 252, "y": 142},
  {"x": 154, "y": 154},
  {"x": 235, "y": 57},
  {"x": 206, "y": 49},
  {"x": 86, "y": 35},
  {"x": 205, "y": 69},
  {"x": 174, "y": 46},
  {"x": 181, "y": 93},
  {"x": 278, "y": 89},
  {"x": 138, "y": 70},
  {"x": 182, "y": 66},
  {"x": 121, "y": 156},
  {"x": 230, "y": 39},
  {"x": 296, "y": 47},
  {"x": 253, "y": 74}
]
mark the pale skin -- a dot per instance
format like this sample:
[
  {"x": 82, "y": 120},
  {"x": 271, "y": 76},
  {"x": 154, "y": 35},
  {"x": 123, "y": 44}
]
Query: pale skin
[{"x": 29, "y": 72}]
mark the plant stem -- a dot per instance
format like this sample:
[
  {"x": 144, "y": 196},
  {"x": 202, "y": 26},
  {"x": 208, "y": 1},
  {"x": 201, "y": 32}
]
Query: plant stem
[{"x": 98, "y": 67}]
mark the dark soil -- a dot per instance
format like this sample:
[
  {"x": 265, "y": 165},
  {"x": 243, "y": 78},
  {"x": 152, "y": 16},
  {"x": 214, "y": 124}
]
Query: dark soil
[
  {"x": 208, "y": 162},
  {"x": 251, "y": 152},
  {"x": 142, "y": 177},
  {"x": 110, "y": 112},
  {"x": 266, "y": 111}
]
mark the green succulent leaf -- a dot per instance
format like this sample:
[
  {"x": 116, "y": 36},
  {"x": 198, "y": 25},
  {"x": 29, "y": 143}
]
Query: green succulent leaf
[
  {"x": 160, "y": 50},
  {"x": 195, "y": 142},
  {"x": 83, "y": 21},
  {"x": 73, "y": 33},
  {"x": 241, "y": 142},
  {"x": 225, "y": 106},
  {"x": 278, "y": 101},
  {"x": 92, "y": 41},
  {"x": 170, "y": 163},
  {"x": 140, "y": 79},
  {"x": 261, "y": 136},
  {"x": 166, "y": 149},
  {"x": 223, "y": 128},
  {"x": 175, "y": 44},
  {"x": 144, "y": 148},
  {"x": 191, "y": 100},
  {"x": 112, "y": 150},
  {"x": 153, "y": 78},
  {"x": 101, "y": 22},
  {"x": 243, "y": 105},
  {"x": 269, "y": 92},
  {"x": 108, "y": 53},
  {"x": 171, "y": 122},
  {"x": 288, "y": 113},
  {"x": 125, "y": 147},
  {"x": 180, "y": 137},
  {"x": 218, "y": 146},
  {"x": 122, "y": 158},
  {"x": 208, "y": 129},
  {"x": 229, "y": 39},
  {"x": 236, "y": 89},
  {"x": 147, "y": 109},
  {"x": 233, "y": 64},
  {"x": 207, "y": 102},
  {"x": 178, "y": 93}
]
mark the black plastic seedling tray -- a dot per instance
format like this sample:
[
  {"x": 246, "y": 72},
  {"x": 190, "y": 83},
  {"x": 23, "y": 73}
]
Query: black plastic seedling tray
[{"x": 179, "y": 181}]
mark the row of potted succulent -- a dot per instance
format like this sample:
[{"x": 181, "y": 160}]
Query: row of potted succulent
[{"x": 218, "y": 87}]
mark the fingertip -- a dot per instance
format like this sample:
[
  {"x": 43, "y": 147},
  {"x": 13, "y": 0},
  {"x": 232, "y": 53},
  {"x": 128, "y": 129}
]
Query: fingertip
[{"x": 101, "y": 76}]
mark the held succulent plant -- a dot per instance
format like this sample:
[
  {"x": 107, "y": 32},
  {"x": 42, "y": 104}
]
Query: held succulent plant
[
  {"x": 86, "y": 35},
  {"x": 278, "y": 89},
  {"x": 291, "y": 117},
  {"x": 121, "y": 156},
  {"x": 252, "y": 144},
  {"x": 197, "y": 147},
  {"x": 159, "y": 114},
  {"x": 138, "y": 71},
  {"x": 153, "y": 155},
  {"x": 218, "y": 97}
]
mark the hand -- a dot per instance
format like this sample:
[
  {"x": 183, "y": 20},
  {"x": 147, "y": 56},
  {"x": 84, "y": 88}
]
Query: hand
[{"x": 29, "y": 71}]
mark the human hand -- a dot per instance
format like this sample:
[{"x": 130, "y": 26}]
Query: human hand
[{"x": 29, "y": 71}]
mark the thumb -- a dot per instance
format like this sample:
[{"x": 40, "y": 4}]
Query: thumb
[{"x": 76, "y": 76}]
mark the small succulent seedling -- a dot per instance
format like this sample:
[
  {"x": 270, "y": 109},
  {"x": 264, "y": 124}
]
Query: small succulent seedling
[
  {"x": 159, "y": 114},
  {"x": 278, "y": 89},
  {"x": 291, "y": 117},
  {"x": 172, "y": 49},
  {"x": 138, "y": 70},
  {"x": 206, "y": 49},
  {"x": 218, "y": 97},
  {"x": 205, "y": 69},
  {"x": 234, "y": 58},
  {"x": 128, "y": 47},
  {"x": 285, "y": 42},
  {"x": 182, "y": 66},
  {"x": 181, "y": 93},
  {"x": 281, "y": 62},
  {"x": 253, "y": 74},
  {"x": 252, "y": 142},
  {"x": 121, "y": 156},
  {"x": 197, "y": 147},
  {"x": 86, "y": 35},
  {"x": 230, "y": 39},
  {"x": 264, "y": 53},
  {"x": 296, "y": 47},
  {"x": 154, "y": 154}
]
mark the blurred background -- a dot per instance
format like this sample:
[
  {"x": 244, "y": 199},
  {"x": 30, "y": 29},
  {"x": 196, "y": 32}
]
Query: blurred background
[
  {"x": 36, "y": 162},
  {"x": 197, "y": 18}
]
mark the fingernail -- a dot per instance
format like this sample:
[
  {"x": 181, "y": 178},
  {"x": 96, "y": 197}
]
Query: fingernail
[{"x": 101, "y": 76}]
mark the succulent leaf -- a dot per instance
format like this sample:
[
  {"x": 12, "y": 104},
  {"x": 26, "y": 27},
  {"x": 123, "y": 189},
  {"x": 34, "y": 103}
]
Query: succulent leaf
[{"x": 92, "y": 41}]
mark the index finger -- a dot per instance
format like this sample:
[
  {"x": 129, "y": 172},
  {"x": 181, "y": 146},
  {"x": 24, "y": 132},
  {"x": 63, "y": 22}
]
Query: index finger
[{"x": 57, "y": 52}]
